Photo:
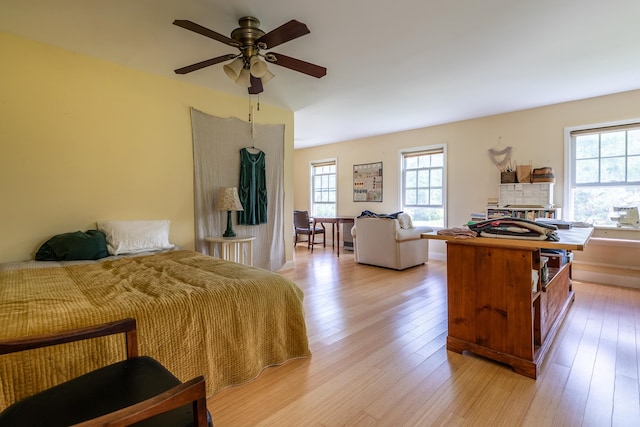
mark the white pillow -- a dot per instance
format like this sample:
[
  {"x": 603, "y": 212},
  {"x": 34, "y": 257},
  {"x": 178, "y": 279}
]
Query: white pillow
[
  {"x": 405, "y": 221},
  {"x": 130, "y": 237}
]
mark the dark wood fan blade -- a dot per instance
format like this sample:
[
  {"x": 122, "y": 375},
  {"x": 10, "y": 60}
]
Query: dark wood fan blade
[
  {"x": 297, "y": 65},
  {"x": 284, "y": 33},
  {"x": 203, "y": 64},
  {"x": 256, "y": 86},
  {"x": 192, "y": 26}
]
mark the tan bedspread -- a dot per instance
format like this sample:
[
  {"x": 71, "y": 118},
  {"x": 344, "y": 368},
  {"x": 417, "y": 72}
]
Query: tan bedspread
[{"x": 197, "y": 315}]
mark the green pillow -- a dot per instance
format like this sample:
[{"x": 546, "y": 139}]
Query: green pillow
[{"x": 74, "y": 246}]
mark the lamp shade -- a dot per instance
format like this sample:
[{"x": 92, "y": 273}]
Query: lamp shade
[
  {"x": 232, "y": 69},
  {"x": 244, "y": 79},
  {"x": 268, "y": 75},
  {"x": 258, "y": 67},
  {"x": 228, "y": 200}
]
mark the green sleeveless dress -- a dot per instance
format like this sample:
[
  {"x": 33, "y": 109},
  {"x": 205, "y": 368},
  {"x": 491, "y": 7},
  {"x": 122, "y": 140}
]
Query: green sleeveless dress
[{"x": 253, "y": 188}]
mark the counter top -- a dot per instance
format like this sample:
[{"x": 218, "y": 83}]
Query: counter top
[{"x": 573, "y": 239}]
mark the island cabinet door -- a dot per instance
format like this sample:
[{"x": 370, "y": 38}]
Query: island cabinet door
[{"x": 490, "y": 297}]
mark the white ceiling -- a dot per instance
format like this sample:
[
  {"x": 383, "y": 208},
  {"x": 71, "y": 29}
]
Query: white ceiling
[{"x": 392, "y": 65}]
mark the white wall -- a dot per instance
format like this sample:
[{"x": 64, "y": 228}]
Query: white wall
[{"x": 537, "y": 135}]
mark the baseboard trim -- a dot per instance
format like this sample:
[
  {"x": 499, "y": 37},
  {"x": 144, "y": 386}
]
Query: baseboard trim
[
  {"x": 606, "y": 278},
  {"x": 437, "y": 256}
]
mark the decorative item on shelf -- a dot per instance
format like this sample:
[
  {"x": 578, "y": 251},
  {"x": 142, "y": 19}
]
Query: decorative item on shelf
[
  {"x": 501, "y": 157},
  {"x": 523, "y": 172},
  {"x": 228, "y": 200},
  {"x": 507, "y": 177},
  {"x": 544, "y": 174}
]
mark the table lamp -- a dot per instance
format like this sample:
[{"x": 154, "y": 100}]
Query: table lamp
[{"x": 228, "y": 200}]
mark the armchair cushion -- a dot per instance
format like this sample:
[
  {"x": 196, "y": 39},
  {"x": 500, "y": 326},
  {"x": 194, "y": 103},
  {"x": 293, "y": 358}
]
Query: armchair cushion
[
  {"x": 383, "y": 242},
  {"x": 405, "y": 221},
  {"x": 411, "y": 233}
]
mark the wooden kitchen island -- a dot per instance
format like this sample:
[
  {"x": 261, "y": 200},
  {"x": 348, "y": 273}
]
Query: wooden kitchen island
[{"x": 498, "y": 307}]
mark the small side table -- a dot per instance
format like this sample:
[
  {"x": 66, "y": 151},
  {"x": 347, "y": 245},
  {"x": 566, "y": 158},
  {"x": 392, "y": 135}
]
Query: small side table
[{"x": 231, "y": 248}]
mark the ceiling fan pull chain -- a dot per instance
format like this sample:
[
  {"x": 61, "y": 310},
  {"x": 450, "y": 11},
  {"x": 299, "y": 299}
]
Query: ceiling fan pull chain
[{"x": 251, "y": 121}]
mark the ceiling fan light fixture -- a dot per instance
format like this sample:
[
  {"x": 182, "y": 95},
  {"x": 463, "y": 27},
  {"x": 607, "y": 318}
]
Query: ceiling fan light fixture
[
  {"x": 244, "y": 78},
  {"x": 268, "y": 75},
  {"x": 233, "y": 69},
  {"x": 249, "y": 68},
  {"x": 258, "y": 67}
]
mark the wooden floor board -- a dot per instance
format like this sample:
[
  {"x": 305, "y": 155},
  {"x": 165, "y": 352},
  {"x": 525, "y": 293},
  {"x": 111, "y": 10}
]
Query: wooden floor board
[
  {"x": 403, "y": 393},
  {"x": 625, "y": 399},
  {"x": 548, "y": 395},
  {"x": 378, "y": 338}
]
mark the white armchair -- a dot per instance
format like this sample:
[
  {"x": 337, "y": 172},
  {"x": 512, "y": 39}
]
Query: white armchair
[{"x": 383, "y": 242}]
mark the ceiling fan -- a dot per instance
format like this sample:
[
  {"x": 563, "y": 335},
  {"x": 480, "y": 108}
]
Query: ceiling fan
[{"x": 247, "y": 68}]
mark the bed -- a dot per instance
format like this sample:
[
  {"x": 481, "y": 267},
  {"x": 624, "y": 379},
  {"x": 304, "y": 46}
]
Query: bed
[{"x": 196, "y": 314}]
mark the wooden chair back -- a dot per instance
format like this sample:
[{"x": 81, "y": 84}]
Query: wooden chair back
[
  {"x": 301, "y": 221},
  {"x": 193, "y": 391}
]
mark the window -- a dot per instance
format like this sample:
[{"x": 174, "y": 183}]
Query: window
[
  {"x": 604, "y": 171},
  {"x": 423, "y": 185},
  {"x": 323, "y": 188}
]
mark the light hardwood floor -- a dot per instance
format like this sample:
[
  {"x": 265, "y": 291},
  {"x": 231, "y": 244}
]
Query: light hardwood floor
[{"x": 379, "y": 359}]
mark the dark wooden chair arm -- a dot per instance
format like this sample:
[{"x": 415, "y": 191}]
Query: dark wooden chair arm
[
  {"x": 180, "y": 395},
  {"x": 127, "y": 326}
]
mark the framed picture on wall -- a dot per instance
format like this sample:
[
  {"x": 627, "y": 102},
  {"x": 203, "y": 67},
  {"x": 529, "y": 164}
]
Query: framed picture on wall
[{"x": 367, "y": 182}]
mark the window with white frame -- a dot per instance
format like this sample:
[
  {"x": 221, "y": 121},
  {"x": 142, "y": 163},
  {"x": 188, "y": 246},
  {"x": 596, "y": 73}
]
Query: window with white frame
[
  {"x": 603, "y": 171},
  {"x": 423, "y": 185},
  {"x": 323, "y": 188}
]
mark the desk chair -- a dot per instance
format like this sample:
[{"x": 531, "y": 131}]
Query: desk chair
[
  {"x": 136, "y": 390},
  {"x": 303, "y": 225}
]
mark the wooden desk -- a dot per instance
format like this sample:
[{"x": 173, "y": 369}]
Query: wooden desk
[
  {"x": 497, "y": 305},
  {"x": 231, "y": 248},
  {"x": 333, "y": 221}
]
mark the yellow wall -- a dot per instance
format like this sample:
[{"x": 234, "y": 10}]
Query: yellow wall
[
  {"x": 537, "y": 135},
  {"x": 83, "y": 140}
]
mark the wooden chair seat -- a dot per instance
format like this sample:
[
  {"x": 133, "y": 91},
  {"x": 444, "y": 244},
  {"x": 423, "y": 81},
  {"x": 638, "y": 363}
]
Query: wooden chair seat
[{"x": 138, "y": 388}]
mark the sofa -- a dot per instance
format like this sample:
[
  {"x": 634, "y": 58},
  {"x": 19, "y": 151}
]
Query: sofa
[{"x": 388, "y": 242}]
